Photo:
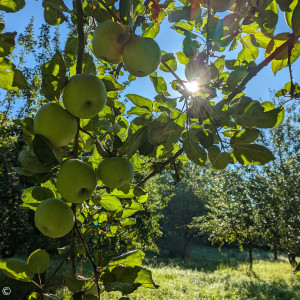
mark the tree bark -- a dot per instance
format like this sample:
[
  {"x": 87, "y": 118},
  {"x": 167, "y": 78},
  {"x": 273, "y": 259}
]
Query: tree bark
[
  {"x": 250, "y": 250},
  {"x": 292, "y": 259},
  {"x": 275, "y": 253}
]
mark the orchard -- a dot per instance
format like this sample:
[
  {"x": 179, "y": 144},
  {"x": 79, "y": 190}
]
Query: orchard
[{"x": 88, "y": 151}]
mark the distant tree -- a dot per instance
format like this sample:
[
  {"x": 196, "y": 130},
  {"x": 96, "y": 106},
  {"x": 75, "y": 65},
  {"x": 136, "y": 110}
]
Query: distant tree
[
  {"x": 275, "y": 188},
  {"x": 232, "y": 214}
]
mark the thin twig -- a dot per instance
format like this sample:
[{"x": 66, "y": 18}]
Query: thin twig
[
  {"x": 173, "y": 158},
  {"x": 174, "y": 74},
  {"x": 110, "y": 11},
  {"x": 96, "y": 272},
  {"x": 290, "y": 48},
  {"x": 57, "y": 269}
]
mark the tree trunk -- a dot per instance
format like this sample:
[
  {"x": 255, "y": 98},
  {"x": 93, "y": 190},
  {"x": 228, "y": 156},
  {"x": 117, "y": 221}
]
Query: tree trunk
[
  {"x": 250, "y": 249},
  {"x": 275, "y": 253},
  {"x": 292, "y": 259},
  {"x": 186, "y": 243}
]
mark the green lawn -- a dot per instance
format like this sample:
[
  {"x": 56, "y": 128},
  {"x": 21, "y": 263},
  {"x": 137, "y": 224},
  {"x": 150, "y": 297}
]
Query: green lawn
[{"x": 210, "y": 274}]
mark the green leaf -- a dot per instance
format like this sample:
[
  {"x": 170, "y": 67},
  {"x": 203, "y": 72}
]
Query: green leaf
[
  {"x": 71, "y": 50},
  {"x": 245, "y": 136},
  {"x": 284, "y": 4},
  {"x": 268, "y": 16},
  {"x": 127, "y": 279},
  {"x": 40, "y": 193},
  {"x": 34, "y": 296},
  {"x": 131, "y": 208},
  {"x": 235, "y": 78},
  {"x": 44, "y": 151},
  {"x": 29, "y": 201},
  {"x": 182, "y": 58},
  {"x": 30, "y": 163},
  {"x": 74, "y": 284},
  {"x": 252, "y": 154},
  {"x": 296, "y": 19},
  {"x": 129, "y": 259},
  {"x": 128, "y": 222},
  {"x": 194, "y": 151},
  {"x": 184, "y": 28},
  {"x": 16, "y": 269},
  {"x": 170, "y": 60},
  {"x": 53, "y": 11},
  {"x": 218, "y": 159},
  {"x": 11, "y": 78},
  {"x": 88, "y": 65},
  {"x": 150, "y": 30},
  {"x": 7, "y": 43},
  {"x": 38, "y": 261},
  {"x": 11, "y": 5},
  {"x": 205, "y": 138},
  {"x": 54, "y": 77},
  {"x": 159, "y": 84},
  {"x": 27, "y": 129},
  {"x": 111, "y": 204},
  {"x": 190, "y": 47},
  {"x": 255, "y": 115},
  {"x": 140, "y": 101},
  {"x": 138, "y": 111}
]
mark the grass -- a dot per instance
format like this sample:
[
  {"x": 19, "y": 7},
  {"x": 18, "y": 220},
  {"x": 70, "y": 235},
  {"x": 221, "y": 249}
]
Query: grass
[{"x": 209, "y": 274}]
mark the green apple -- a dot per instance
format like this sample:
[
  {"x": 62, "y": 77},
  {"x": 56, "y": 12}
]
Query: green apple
[
  {"x": 115, "y": 172},
  {"x": 197, "y": 71},
  {"x": 108, "y": 42},
  {"x": 55, "y": 124},
  {"x": 141, "y": 56},
  {"x": 84, "y": 96},
  {"x": 76, "y": 181},
  {"x": 54, "y": 218}
]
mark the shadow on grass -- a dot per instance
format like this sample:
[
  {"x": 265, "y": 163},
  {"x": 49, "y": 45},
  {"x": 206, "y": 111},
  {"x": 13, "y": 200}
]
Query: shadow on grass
[{"x": 267, "y": 290}]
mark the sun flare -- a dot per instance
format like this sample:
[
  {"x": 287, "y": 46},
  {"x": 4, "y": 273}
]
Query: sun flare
[{"x": 192, "y": 86}]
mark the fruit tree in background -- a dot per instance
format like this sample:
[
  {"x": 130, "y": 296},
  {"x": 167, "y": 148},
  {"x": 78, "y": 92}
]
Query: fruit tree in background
[{"x": 90, "y": 162}]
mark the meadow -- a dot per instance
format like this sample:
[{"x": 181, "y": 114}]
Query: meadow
[{"x": 205, "y": 274}]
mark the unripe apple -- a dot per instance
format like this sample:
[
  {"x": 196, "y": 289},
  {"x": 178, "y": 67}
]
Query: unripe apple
[
  {"x": 84, "y": 96},
  {"x": 54, "y": 218},
  {"x": 141, "y": 56},
  {"x": 76, "y": 181},
  {"x": 108, "y": 42},
  {"x": 115, "y": 172},
  {"x": 55, "y": 123},
  {"x": 197, "y": 71}
]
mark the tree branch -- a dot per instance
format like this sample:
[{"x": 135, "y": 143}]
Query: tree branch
[
  {"x": 174, "y": 74},
  {"x": 173, "y": 158},
  {"x": 255, "y": 70},
  {"x": 56, "y": 270},
  {"x": 80, "y": 30}
]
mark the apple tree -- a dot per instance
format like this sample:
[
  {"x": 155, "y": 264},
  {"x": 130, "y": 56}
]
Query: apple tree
[{"x": 89, "y": 160}]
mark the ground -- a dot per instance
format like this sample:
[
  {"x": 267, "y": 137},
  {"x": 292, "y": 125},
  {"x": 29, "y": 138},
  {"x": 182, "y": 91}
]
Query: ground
[{"x": 205, "y": 274}]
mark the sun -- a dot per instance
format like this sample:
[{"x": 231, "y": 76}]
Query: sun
[{"x": 192, "y": 86}]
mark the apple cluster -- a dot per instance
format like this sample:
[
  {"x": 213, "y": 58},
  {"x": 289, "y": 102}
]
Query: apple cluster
[
  {"x": 141, "y": 55},
  {"x": 84, "y": 96}
]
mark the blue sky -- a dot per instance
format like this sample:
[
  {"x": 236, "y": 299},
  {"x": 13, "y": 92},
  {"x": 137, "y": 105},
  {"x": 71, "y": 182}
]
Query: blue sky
[{"x": 169, "y": 41}]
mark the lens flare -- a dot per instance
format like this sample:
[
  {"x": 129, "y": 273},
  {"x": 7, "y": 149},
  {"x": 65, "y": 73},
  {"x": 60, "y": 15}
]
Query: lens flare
[{"x": 192, "y": 86}]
